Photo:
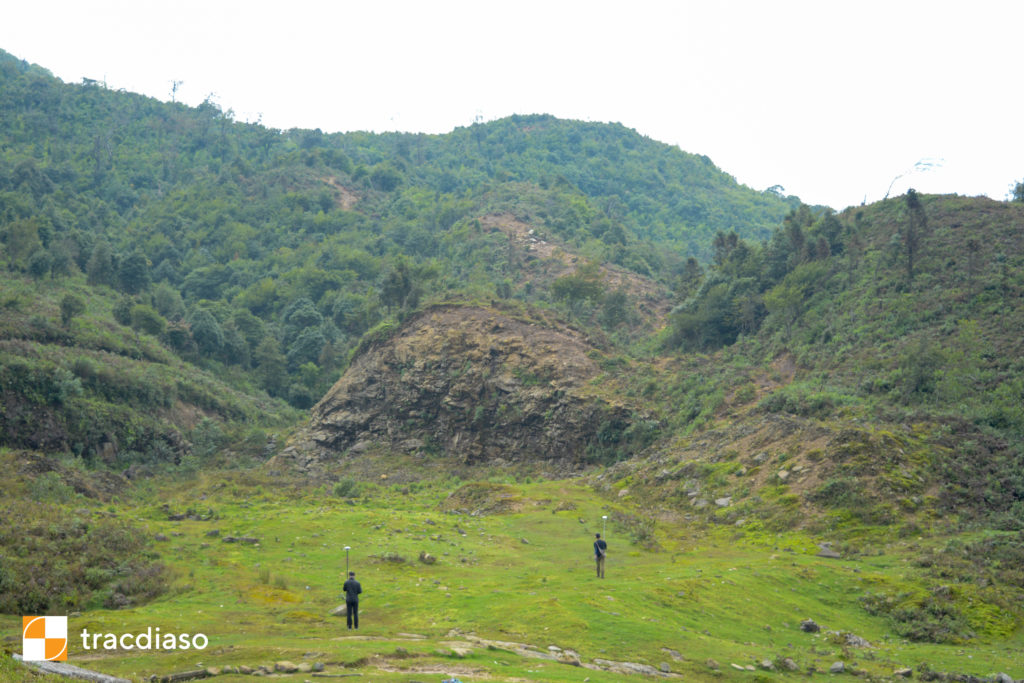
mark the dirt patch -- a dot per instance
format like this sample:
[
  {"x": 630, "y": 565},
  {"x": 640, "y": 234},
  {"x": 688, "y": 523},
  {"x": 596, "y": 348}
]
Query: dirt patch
[
  {"x": 483, "y": 498},
  {"x": 652, "y": 300},
  {"x": 345, "y": 198}
]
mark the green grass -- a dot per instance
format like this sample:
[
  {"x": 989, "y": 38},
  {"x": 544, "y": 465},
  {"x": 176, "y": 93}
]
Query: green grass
[{"x": 709, "y": 593}]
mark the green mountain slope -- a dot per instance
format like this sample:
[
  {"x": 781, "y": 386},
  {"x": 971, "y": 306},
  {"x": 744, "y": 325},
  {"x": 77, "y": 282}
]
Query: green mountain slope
[
  {"x": 178, "y": 288},
  {"x": 269, "y": 253}
]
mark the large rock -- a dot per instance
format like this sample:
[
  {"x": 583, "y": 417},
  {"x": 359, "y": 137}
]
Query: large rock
[{"x": 473, "y": 382}]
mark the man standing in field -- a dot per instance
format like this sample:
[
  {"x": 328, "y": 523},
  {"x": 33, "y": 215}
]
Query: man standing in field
[
  {"x": 600, "y": 549},
  {"x": 352, "y": 591}
]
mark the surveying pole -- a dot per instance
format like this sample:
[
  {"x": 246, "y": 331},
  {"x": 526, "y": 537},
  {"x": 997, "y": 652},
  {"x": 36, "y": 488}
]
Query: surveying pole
[{"x": 347, "y": 548}]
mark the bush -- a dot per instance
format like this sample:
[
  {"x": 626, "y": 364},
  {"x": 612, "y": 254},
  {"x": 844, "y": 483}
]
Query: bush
[
  {"x": 89, "y": 562},
  {"x": 346, "y": 488}
]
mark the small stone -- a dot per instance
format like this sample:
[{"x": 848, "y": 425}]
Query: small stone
[
  {"x": 213, "y": 671},
  {"x": 905, "y": 672},
  {"x": 837, "y": 668},
  {"x": 160, "y": 537},
  {"x": 790, "y": 665},
  {"x": 1004, "y": 678},
  {"x": 339, "y": 611},
  {"x": 712, "y": 664},
  {"x": 245, "y": 669},
  {"x": 783, "y": 475},
  {"x": 825, "y": 550},
  {"x": 286, "y": 667},
  {"x": 723, "y": 502},
  {"x": 318, "y": 666},
  {"x": 808, "y": 626},
  {"x": 856, "y": 641},
  {"x": 767, "y": 664},
  {"x": 305, "y": 668},
  {"x": 665, "y": 668},
  {"x": 737, "y": 667}
]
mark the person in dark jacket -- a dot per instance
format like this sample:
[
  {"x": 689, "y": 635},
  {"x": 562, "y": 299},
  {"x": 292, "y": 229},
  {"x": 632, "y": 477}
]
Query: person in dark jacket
[
  {"x": 352, "y": 591},
  {"x": 600, "y": 550}
]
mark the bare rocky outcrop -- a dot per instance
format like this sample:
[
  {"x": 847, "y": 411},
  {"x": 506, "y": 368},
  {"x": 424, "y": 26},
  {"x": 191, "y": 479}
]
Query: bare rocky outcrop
[{"x": 474, "y": 384}]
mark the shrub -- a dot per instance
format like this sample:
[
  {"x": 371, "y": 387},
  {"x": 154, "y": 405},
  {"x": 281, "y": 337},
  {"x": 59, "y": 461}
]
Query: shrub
[{"x": 346, "y": 488}]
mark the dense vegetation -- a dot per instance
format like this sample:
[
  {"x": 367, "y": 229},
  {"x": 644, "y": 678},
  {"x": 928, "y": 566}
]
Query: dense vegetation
[{"x": 266, "y": 254}]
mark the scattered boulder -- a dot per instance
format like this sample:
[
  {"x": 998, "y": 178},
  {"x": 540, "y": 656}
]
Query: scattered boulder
[
  {"x": 305, "y": 668},
  {"x": 905, "y": 672},
  {"x": 245, "y": 670},
  {"x": 286, "y": 667},
  {"x": 339, "y": 611},
  {"x": 723, "y": 502},
  {"x": 767, "y": 664},
  {"x": 213, "y": 533},
  {"x": 809, "y": 626},
  {"x": 712, "y": 664},
  {"x": 825, "y": 550},
  {"x": 427, "y": 558},
  {"x": 837, "y": 668},
  {"x": 789, "y": 665},
  {"x": 160, "y": 537},
  {"x": 241, "y": 539},
  {"x": 665, "y": 668},
  {"x": 856, "y": 641}
]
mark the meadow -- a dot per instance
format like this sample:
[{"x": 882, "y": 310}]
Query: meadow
[{"x": 513, "y": 578}]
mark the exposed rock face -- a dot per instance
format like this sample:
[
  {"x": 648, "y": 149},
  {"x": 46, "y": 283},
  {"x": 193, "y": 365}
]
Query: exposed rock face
[{"x": 470, "y": 382}]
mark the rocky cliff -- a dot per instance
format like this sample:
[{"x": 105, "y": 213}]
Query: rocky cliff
[{"x": 472, "y": 384}]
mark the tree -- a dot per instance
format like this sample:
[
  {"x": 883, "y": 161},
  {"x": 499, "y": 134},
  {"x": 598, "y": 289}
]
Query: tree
[
  {"x": 39, "y": 264},
  {"x": 206, "y": 332},
  {"x": 306, "y": 348},
  {"x": 145, "y": 319},
  {"x": 690, "y": 278},
  {"x": 22, "y": 238},
  {"x": 916, "y": 224},
  {"x": 133, "y": 273},
  {"x": 71, "y": 305},
  {"x": 100, "y": 268},
  {"x": 398, "y": 286},
  {"x": 271, "y": 366},
  {"x": 583, "y": 285},
  {"x": 1018, "y": 192},
  {"x": 614, "y": 309}
]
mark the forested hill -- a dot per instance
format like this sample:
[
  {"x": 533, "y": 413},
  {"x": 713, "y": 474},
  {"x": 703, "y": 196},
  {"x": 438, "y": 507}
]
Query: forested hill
[{"x": 253, "y": 260}]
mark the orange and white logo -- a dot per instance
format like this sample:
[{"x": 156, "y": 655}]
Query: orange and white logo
[{"x": 44, "y": 639}]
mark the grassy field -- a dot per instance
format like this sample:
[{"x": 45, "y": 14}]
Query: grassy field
[{"x": 519, "y": 574}]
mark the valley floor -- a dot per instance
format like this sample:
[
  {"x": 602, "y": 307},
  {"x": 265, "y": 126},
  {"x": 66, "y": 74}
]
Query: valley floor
[{"x": 511, "y": 593}]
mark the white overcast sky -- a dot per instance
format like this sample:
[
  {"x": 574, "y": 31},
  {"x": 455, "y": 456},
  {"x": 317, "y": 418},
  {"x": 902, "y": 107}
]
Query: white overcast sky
[{"x": 830, "y": 99}]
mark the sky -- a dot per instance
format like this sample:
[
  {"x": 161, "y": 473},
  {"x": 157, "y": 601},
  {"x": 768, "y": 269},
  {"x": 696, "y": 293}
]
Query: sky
[{"x": 837, "y": 102}]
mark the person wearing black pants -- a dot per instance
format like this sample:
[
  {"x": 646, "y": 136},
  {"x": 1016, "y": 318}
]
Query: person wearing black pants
[
  {"x": 600, "y": 549},
  {"x": 352, "y": 591}
]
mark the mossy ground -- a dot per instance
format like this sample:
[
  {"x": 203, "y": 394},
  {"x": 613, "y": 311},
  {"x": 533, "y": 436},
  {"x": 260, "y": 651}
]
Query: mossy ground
[{"x": 705, "y": 591}]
